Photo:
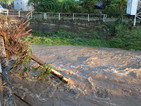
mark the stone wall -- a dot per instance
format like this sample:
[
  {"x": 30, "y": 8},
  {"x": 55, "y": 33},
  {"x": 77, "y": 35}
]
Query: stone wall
[{"x": 52, "y": 26}]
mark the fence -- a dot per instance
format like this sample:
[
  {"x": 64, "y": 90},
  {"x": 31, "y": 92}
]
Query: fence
[
  {"x": 59, "y": 16},
  {"x": 69, "y": 16}
]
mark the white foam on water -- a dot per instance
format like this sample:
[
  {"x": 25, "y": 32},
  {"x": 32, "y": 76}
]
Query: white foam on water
[{"x": 115, "y": 71}]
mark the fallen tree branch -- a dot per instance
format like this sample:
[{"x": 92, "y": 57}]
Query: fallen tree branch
[{"x": 53, "y": 71}]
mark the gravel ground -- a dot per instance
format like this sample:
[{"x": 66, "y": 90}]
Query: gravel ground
[{"x": 104, "y": 77}]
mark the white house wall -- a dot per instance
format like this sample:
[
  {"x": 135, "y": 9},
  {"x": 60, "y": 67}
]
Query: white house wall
[{"x": 22, "y": 5}]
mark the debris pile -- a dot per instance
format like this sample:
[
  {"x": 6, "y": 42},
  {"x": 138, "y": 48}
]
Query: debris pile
[{"x": 12, "y": 33}]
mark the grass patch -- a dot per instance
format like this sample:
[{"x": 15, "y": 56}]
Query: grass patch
[
  {"x": 67, "y": 38},
  {"x": 116, "y": 36}
]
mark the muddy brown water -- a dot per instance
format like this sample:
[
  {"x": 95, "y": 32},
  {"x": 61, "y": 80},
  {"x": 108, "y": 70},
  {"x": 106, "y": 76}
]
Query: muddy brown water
[{"x": 104, "y": 77}]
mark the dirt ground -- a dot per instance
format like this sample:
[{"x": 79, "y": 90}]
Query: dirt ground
[{"x": 104, "y": 77}]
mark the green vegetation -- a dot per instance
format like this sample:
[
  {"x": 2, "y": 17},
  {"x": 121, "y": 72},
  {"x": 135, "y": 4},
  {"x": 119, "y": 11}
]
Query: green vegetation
[
  {"x": 68, "y": 38},
  {"x": 82, "y": 6},
  {"x": 54, "y": 5},
  {"x": 115, "y": 7},
  {"x": 126, "y": 37},
  {"x": 117, "y": 35},
  {"x": 110, "y": 7},
  {"x": 7, "y": 1}
]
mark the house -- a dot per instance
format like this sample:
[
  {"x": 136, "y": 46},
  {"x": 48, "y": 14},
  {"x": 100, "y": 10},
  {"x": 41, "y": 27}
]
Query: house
[
  {"x": 22, "y": 5},
  {"x": 3, "y": 10}
]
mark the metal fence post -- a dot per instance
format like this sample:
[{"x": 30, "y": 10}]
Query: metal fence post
[
  {"x": 45, "y": 15},
  {"x": 135, "y": 20},
  {"x": 88, "y": 17},
  {"x": 7, "y": 12},
  {"x": 104, "y": 17},
  {"x": 19, "y": 13},
  {"x": 73, "y": 16},
  {"x": 59, "y": 16}
]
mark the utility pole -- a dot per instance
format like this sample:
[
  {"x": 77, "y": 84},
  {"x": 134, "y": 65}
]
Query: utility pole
[{"x": 134, "y": 9}]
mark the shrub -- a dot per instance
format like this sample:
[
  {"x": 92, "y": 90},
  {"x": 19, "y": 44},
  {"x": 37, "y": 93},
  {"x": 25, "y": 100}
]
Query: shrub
[{"x": 126, "y": 38}]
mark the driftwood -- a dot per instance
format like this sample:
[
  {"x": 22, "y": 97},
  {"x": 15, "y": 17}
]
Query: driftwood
[{"x": 53, "y": 71}]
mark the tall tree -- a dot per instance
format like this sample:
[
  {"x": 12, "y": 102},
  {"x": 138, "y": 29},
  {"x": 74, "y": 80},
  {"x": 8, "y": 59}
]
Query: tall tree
[
  {"x": 120, "y": 4},
  {"x": 7, "y": 1},
  {"x": 69, "y": 6},
  {"x": 116, "y": 6},
  {"x": 88, "y": 4},
  {"x": 44, "y": 5},
  {"x": 54, "y": 5}
]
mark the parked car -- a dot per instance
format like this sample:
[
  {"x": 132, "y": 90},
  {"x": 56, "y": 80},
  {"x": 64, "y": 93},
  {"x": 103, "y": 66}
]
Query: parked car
[{"x": 3, "y": 10}]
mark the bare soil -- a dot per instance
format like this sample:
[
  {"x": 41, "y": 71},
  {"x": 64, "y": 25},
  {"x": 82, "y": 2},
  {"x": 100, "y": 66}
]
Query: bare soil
[{"x": 104, "y": 77}]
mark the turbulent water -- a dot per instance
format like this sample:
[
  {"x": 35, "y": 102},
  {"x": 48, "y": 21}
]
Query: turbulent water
[{"x": 103, "y": 76}]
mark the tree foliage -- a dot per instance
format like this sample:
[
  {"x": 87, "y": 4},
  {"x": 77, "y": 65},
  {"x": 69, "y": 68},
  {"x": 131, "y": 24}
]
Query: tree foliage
[
  {"x": 116, "y": 7},
  {"x": 54, "y": 5},
  {"x": 7, "y": 1},
  {"x": 112, "y": 7},
  {"x": 88, "y": 4}
]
